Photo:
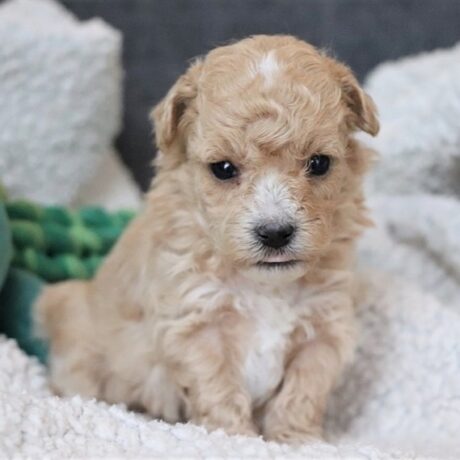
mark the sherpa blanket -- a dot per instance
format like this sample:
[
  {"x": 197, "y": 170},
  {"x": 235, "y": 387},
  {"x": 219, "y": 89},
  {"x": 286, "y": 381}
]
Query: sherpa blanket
[
  {"x": 400, "y": 398},
  {"x": 61, "y": 99}
]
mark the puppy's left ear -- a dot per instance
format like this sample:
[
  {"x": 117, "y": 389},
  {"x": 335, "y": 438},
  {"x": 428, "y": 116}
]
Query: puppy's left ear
[
  {"x": 169, "y": 115},
  {"x": 363, "y": 112}
]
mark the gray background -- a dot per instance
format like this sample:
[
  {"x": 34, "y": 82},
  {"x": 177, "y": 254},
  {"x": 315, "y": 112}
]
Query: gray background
[{"x": 160, "y": 36}]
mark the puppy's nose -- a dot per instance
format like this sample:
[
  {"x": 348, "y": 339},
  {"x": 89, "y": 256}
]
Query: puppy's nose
[{"x": 274, "y": 235}]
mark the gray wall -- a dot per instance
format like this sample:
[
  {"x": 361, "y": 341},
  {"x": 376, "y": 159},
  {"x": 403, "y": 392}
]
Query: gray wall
[{"x": 160, "y": 36}]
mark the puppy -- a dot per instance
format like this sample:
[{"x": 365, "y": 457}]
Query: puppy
[{"x": 227, "y": 301}]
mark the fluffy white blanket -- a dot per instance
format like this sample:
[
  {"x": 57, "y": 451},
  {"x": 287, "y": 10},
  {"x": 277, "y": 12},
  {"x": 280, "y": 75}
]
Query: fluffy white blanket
[{"x": 400, "y": 399}]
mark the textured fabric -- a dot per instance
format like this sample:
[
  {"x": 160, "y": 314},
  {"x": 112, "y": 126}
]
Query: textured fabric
[
  {"x": 60, "y": 87},
  {"x": 57, "y": 243},
  {"x": 58, "y": 268},
  {"x": 419, "y": 105}
]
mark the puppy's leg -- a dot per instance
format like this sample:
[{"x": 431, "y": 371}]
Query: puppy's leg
[
  {"x": 62, "y": 316},
  {"x": 295, "y": 413},
  {"x": 207, "y": 361}
]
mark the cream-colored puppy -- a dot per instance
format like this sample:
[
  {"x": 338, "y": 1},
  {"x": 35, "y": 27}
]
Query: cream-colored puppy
[{"x": 228, "y": 300}]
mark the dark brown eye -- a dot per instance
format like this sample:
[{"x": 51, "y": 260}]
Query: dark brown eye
[
  {"x": 318, "y": 165},
  {"x": 223, "y": 170}
]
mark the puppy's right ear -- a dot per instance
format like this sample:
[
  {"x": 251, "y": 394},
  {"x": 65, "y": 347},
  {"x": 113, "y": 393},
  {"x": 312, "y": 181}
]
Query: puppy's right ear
[{"x": 169, "y": 115}]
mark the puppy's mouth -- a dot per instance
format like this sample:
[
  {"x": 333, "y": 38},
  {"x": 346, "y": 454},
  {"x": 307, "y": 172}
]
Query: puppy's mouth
[{"x": 278, "y": 261}]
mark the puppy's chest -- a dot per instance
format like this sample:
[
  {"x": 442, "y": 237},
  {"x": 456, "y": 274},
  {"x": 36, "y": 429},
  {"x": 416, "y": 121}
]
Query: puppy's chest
[{"x": 272, "y": 315}]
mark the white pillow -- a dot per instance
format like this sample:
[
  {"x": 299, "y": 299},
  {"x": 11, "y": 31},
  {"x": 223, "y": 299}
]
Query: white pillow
[
  {"x": 419, "y": 104},
  {"x": 60, "y": 93}
]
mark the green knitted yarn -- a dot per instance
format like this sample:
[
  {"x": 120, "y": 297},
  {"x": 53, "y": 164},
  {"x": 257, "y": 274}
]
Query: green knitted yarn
[
  {"x": 56, "y": 239},
  {"x": 57, "y": 243},
  {"x": 57, "y": 268},
  {"x": 54, "y": 243}
]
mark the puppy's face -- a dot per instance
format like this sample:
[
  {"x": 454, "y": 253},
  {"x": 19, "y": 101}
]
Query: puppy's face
[{"x": 263, "y": 129}]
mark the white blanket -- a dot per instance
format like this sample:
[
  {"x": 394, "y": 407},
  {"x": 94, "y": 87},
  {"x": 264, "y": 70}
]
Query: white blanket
[{"x": 400, "y": 398}]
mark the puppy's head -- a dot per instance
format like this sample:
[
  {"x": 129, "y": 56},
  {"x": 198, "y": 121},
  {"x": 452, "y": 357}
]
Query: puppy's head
[{"x": 263, "y": 129}]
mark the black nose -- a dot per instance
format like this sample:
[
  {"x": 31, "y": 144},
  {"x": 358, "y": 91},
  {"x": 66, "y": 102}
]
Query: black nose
[{"x": 275, "y": 235}]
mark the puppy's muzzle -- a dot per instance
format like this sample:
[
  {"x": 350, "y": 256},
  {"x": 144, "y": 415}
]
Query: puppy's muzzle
[{"x": 275, "y": 236}]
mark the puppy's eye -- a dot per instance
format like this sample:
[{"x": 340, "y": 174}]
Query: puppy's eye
[
  {"x": 223, "y": 170},
  {"x": 318, "y": 165}
]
